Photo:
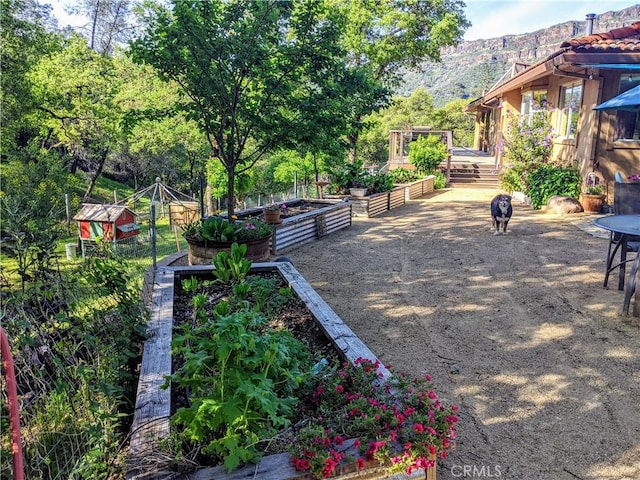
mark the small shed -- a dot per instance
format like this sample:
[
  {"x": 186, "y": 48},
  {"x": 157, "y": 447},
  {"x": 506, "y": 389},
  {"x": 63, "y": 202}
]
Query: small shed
[{"x": 113, "y": 223}]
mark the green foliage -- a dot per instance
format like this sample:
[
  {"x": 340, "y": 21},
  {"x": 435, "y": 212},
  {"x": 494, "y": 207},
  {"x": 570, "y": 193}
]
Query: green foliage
[
  {"x": 440, "y": 181},
  {"x": 232, "y": 268},
  {"x": 219, "y": 229},
  {"x": 76, "y": 341},
  {"x": 263, "y": 57},
  {"x": 527, "y": 144},
  {"x": 241, "y": 376},
  {"x": 403, "y": 175},
  {"x": 379, "y": 182},
  {"x": 32, "y": 203},
  {"x": 426, "y": 153},
  {"x": 548, "y": 180},
  {"x": 345, "y": 176}
]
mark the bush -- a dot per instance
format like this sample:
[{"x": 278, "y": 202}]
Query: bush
[
  {"x": 549, "y": 180},
  {"x": 402, "y": 175},
  {"x": 427, "y": 153},
  {"x": 440, "y": 181},
  {"x": 527, "y": 144},
  {"x": 379, "y": 182}
]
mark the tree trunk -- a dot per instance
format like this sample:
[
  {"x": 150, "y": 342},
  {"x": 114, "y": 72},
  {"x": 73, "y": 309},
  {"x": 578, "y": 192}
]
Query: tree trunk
[
  {"x": 231, "y": 198},
  {"x": 94, "y": 179}
]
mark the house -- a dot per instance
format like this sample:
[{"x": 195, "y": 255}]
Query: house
[
  {"x": 581, "y": 74},
  {"x": 113, "y": 223}
]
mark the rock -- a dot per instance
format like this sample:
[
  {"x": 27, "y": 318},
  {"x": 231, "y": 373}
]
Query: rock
[
  {"x": 561, "y": 204},
  {"x": 455, "y": 369}
]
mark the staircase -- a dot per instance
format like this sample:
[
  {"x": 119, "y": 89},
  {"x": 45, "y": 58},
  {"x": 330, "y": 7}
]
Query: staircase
[{"x": 473, "y": 175}]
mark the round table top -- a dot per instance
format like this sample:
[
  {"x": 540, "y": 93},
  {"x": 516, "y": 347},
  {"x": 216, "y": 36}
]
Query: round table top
[{"x": 627, "y": 224}]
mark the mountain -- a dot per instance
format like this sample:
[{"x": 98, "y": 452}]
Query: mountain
[{"x": 474, "y": 66}]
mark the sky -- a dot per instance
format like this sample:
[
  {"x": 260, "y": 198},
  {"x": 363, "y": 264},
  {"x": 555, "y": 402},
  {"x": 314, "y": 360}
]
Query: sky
[
  {"x": 489, "y": 18},
  {"x": 492, "y": 19}
]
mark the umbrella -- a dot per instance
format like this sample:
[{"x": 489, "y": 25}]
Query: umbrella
[{"x": 629, "y": 100}]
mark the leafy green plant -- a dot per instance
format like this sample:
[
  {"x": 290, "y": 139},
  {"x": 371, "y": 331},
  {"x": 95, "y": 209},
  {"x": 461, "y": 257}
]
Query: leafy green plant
[
  {"x": 527, "y": 144},
  {"x": 232, "y": 267},
  {"x": 548, "y": 180},
  {"x": 403, "y": 175},
  {"x": 242, "y": 377},
  {"x": 221, "y": 230},
  {"x": 439, "y": 181},
  {"x": 427, "y": 153},
  {"x": 379, "y": 182},
  {"x": 347, "y": 175}
]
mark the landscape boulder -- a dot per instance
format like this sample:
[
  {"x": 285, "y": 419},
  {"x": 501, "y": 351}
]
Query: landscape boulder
[{"x": 562, "y": 204}]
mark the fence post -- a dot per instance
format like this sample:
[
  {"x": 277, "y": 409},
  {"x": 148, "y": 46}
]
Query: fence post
[
  {"x": 152, "y": 228},
  {"x": 14, "y": 416}
]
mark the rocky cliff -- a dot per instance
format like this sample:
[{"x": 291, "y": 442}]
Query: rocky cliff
[{"x": 473, "y": 67}]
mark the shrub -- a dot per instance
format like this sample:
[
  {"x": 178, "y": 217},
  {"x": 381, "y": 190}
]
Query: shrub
[
  {"x": 427, "y": 153},
  {"x": 549, "y": 180},
  {"x": 527, "y": 144},
  {"x": 402, "y": 175},
  {"x": 440, "y": 181}
]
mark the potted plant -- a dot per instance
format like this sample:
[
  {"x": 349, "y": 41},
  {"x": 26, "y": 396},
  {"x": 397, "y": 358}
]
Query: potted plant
[
  {"x": 592, "y": 198},
  {"x": 209, "y": 236},
  {"x": 272, "y": 212}
]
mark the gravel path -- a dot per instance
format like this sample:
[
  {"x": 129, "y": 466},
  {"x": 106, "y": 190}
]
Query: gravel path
[{"x": 516, "y": 330}]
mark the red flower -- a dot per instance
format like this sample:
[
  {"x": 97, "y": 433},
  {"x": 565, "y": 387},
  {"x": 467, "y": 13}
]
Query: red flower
[
  {"x": 339, "y": 388},
  {"x": 360, "y": 463},
  {"x": 418, "y": 427}
]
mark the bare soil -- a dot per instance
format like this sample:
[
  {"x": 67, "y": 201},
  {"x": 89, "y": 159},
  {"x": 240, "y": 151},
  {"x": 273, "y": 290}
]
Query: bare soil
[{"x": 517, "y": 330}]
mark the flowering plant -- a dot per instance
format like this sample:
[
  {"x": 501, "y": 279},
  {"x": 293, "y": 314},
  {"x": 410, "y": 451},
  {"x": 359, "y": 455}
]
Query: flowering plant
[
  {"x": 273, "y": 207},
  {"x": 220, "y": 229},
  {"x": 634, "y": 178},
  {"x": 593, "y": 186},
  {"x": 399, "y": 423}
]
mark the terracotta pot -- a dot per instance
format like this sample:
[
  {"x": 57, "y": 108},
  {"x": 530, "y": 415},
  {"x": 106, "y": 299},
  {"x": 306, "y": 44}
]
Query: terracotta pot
[
  {"x": 272, "y": 216},
  {"x": 202, "y": 253},
  {"x": 592, "y": 203}
]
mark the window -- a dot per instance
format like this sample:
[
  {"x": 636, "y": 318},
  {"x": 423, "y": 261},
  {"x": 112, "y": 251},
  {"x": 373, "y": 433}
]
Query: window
[
  {"x": 627, "y": 123},
  {"x": 532, "y": 102},
  {"x": 570, "y": 101}
]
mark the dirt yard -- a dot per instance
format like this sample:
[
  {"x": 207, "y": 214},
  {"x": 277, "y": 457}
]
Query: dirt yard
[{"x": 516, "y": 330}]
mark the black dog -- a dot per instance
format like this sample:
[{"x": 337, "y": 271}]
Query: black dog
[{"x": 500, "y": 213}]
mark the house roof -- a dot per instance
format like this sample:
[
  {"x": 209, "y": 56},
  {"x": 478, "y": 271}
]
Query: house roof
[
  {"x": 100, "y": 212},
  {"x": 617, "y": 48},
  {"x": 620, "y": 39}
]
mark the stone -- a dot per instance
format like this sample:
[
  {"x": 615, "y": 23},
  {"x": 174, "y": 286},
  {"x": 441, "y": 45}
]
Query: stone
[{"x": 563, "y": 205}]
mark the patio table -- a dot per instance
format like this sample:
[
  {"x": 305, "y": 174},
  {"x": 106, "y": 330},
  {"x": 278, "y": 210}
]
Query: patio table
[{"x": 621, "y": 229}]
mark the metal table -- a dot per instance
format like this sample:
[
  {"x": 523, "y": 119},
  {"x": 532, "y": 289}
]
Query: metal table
[{"x": 622, "y": 229}]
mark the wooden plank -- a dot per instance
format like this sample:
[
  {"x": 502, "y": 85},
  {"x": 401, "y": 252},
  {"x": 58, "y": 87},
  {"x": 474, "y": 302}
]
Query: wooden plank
[
  {"x": 152, "y": 410},
  {"x": 336, "y": 330}
]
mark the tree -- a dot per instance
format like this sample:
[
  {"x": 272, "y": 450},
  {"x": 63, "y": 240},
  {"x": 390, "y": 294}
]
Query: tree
[
  {"x": 108, "y": 23},
  {"x": 402, "y": 114},
  {"x": 248, "y": 68},
  {"x": 452, "y": 117},
  {"x": 159, "y": 140},
  {"x": 76, "y": 89},
  {"x": 25, "y": 37},
  {"x": 384, "y": 38}
]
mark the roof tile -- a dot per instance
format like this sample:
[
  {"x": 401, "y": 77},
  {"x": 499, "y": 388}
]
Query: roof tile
[{"x": 623, "y": 38}]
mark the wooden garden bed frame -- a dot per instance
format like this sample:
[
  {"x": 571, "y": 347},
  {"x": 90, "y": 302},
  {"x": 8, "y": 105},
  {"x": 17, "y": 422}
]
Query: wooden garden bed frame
[
  {"x": 150, "y": 426},
  {"x": 332, "y": 216}
]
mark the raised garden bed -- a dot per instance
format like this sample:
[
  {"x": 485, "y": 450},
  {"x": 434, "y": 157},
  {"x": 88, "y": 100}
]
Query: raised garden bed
[
  {"x": 150, "y": 428},
  {"x": 418, "y": 188},
  {"x": 378, "y": 203},
  {"x": 305, "y": 221}
]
